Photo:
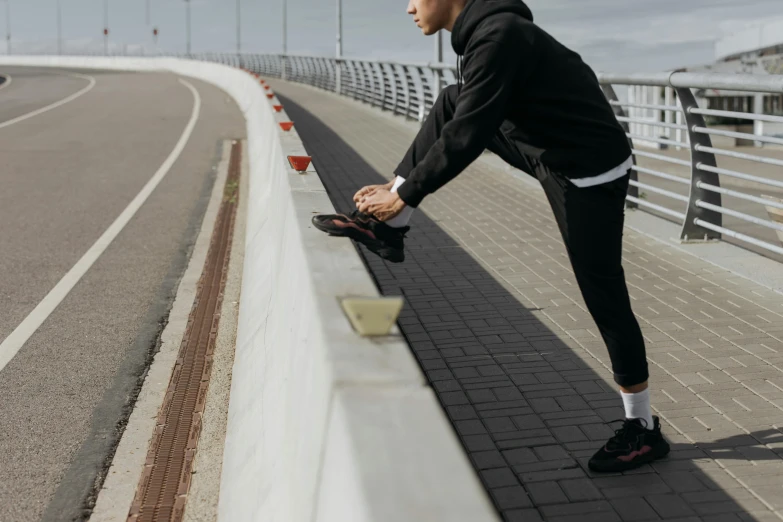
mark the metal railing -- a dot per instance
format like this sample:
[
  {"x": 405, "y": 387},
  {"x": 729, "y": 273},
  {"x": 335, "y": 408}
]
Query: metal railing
[
  {"x": 676, "y": 152},
  {"x": 663, "y": 110},
  {"x": 716, "y": 181}
]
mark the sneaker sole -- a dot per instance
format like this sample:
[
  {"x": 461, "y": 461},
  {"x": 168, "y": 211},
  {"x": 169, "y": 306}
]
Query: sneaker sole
[
  {"x": 658, "y": 452},
  {"x": 375, "y": 246}
]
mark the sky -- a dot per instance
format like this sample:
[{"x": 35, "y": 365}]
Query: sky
[{"x": 611, "y": 35}]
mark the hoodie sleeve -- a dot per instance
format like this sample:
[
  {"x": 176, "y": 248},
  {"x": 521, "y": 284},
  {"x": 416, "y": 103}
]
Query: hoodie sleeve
[{"x": 492, "y": 60}]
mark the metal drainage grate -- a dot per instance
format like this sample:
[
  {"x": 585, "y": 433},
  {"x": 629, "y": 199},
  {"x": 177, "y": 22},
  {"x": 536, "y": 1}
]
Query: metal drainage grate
[{"x": 164, "y": 484}]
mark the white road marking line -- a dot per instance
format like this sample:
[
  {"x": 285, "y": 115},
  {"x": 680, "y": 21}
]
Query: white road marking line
[
  {"x": 14, "y": 342},
  {"x": 55, "y": 104},
  {"x": 7, "y": 81}
]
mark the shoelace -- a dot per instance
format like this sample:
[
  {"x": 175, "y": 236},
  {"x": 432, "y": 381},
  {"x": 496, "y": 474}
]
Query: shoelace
[
  {"x": 358, "y": 214},
  {"x": 624, "y": 431}
]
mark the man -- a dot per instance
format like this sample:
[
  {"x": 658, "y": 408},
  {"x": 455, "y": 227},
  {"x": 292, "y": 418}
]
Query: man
[{"x": 537, "y": 105}]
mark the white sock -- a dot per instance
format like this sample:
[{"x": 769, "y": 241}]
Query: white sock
[
  {"x": 637, "y": 406},
  {"x": 401, "y": 219}
]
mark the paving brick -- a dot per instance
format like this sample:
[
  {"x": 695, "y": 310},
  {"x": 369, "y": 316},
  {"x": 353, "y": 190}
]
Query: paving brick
[
  {"x": 568, "y": 434},
  {"x": 454, "y": 398},
  {"x": 478, "y": 442},
  {"x": 554, "y": 474},
  {"x": 669, "y": 506},
  {"x": 499, "y": 425},
  {"x": 586, "y": 424},
  {"x": 524, "y": 379},
  {"x": 488, "y": 459},
  {"x": 549, "y": 377},
  {"x": 527, "y": 442},
  {"x": 461, "y": 412},
  {"x": 522, "y": 515},
  {"x": 729, "y": 506},
  {"x": 572, "y": 403},
  {"x": 470, "y": 427},
  {"x": 462, "y": 373},
  {"x": 573, "y": 414},
  {"x": 683, "y": 481},
  {"x": 634, "y": 509},
  {"x": 447, "y": 386},
  {"x": 506, "y": 412},
  {"x": 439, "y": 375},
  {"x": 724, "y": 517},
  {"x": 563, "y": 391},
  {"x": 591, "y": 517},
  {"x": 600, "y": 432},
  {"x": 520, "y": 456},
  {"x": 490, "y": 370},
  {"x": 580, "y": 489},
  {"x": 521, "y": 403},
  {"x": 479, "y": 396},
  {"x": 511, "y": 497},
  {"x": 501, "y": 477},
  {"x": 546, "y": 493},
  {"x": 526, "y": 422},
  {"x": 577, "y": 508},
  {"x": 521, "y": 434},
  {"x": 450, "y": 353},
  {"x": 544, "y": 405},
  {"x": 551, "y": 453}
]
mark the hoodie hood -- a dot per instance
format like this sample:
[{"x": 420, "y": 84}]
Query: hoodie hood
[{"x": 477, "y": 10}]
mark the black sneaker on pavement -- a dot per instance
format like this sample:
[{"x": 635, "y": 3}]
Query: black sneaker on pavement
[
  {"x": 632, "y": 446},
  {"x": 381, "y": 239}
]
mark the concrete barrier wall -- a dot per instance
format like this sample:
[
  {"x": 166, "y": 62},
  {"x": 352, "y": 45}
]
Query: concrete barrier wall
[{"x": 323, "y": 425}]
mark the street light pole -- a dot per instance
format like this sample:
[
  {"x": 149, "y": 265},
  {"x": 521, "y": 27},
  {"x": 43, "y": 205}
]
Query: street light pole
[
  {"x": 147, "y": 20},
  {"x": 106, "y": 27},
  {"x": 59, "y": 29},
  {"x": 339, "y": 53},
  {"x": 8, "y": 26},
  {"x": 285, "y": 36},
  {"x": 285, "y": 26},
  {"x": 187, "y": 14},
  {"x": 438, "y": 59},
  {"x": 239, "y": 26}
]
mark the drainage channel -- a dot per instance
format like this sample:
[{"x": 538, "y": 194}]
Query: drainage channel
[{"x": 165, "y": 481}]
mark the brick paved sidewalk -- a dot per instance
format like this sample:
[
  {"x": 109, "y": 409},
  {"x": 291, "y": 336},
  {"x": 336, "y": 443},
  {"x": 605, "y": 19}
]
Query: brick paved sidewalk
[{"x": 494, "y": 316}]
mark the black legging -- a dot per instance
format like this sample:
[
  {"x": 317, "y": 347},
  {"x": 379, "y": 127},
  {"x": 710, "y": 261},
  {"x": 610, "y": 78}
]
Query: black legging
[{"x": 591, "y": 223}]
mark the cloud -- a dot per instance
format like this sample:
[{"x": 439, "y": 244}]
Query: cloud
[{"x": 624, "y": 35}]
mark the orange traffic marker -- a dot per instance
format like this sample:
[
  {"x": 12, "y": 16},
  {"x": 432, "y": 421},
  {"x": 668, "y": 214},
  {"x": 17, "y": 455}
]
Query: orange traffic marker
[
  {"x": 270, "y": 95},
  {"x": 299, "y": 163},
  {"x": 286, "y": 125},
  {"x": 277, "y": 108}
]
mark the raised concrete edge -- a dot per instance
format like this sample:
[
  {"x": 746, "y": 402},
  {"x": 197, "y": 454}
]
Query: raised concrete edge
[{"x": 323, "y": 424}]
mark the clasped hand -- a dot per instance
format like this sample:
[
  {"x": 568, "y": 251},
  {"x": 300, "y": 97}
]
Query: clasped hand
[{"x": 379, "y": 201}]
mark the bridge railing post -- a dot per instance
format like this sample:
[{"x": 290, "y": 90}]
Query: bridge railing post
[
  {"x": 338, "y": 75},
  {"x": 691, "y": 231},
  {"x": 611, "y": 95}
]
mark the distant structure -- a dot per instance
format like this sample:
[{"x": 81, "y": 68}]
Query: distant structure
[
  {"x": 764, "y": 40},
  {"x": 755, "y": 50}
]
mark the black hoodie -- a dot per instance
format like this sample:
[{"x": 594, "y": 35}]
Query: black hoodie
[{"x": 516, "y": 78}]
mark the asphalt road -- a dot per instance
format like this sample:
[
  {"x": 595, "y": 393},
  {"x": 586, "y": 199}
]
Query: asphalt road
[{"x": 66, "y": 174}]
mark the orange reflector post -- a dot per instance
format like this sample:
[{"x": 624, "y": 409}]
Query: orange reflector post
[{"x": 299, "y": 163}]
